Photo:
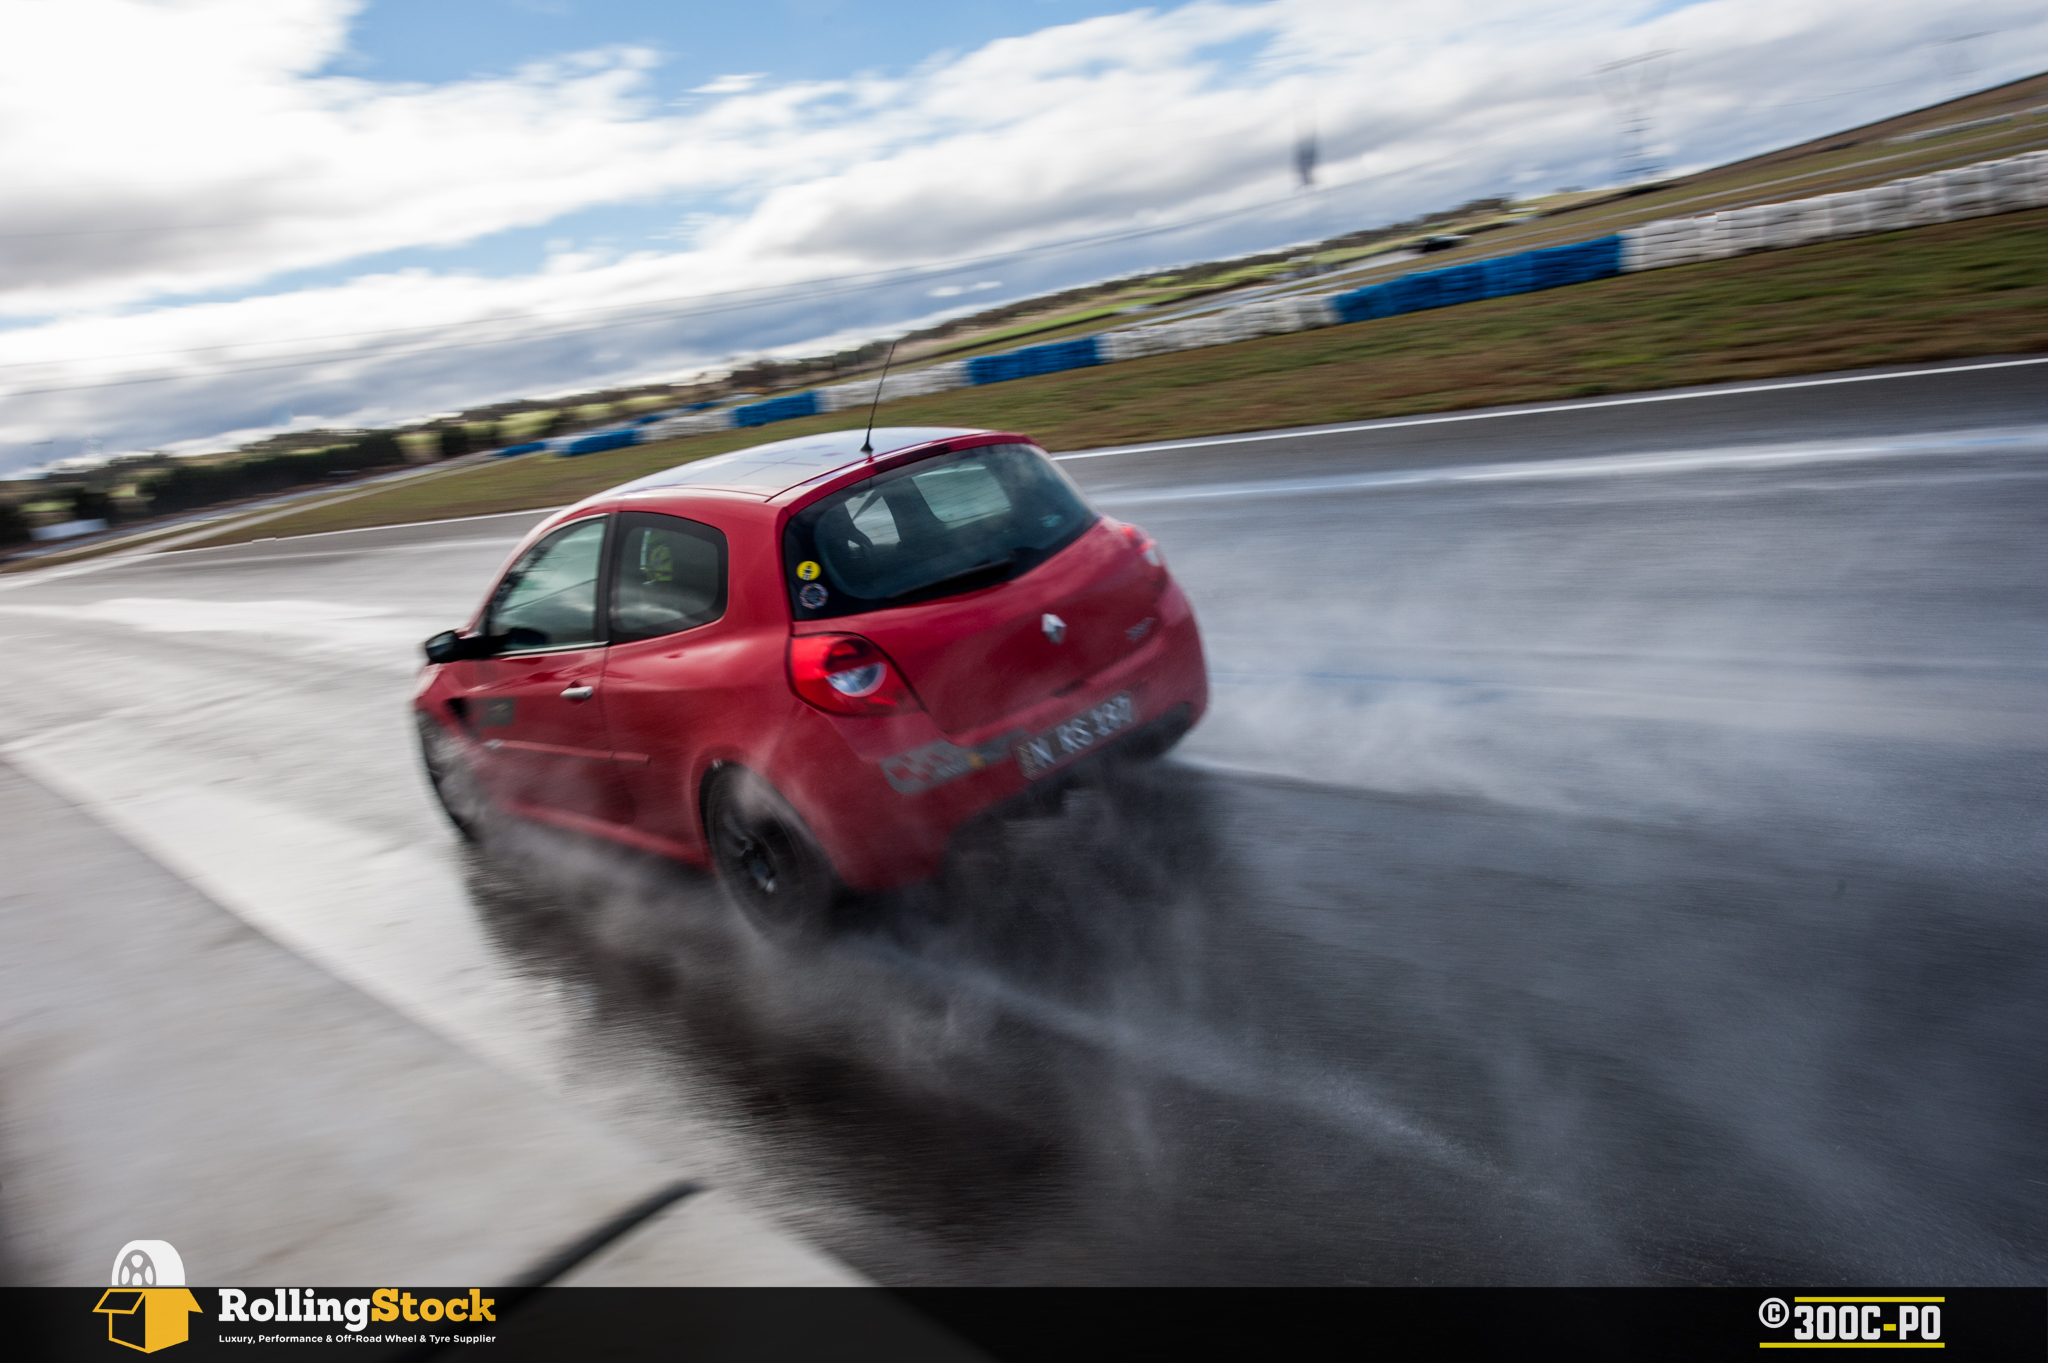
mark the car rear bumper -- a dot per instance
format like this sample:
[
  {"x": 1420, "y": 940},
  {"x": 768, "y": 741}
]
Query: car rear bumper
[{"x": 886, "y": 802}]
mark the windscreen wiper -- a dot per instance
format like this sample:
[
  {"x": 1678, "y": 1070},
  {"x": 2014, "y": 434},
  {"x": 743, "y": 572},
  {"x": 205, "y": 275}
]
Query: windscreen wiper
[{"x": 994, "y": 565}]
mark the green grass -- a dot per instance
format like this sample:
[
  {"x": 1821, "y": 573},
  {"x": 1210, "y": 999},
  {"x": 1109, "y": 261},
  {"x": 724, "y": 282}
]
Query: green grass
[{"x": 1959, "y": 289}]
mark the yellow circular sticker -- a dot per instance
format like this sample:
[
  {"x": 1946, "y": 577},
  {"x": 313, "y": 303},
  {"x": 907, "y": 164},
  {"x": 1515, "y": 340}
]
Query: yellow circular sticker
[{"x": 808, "y": 570}]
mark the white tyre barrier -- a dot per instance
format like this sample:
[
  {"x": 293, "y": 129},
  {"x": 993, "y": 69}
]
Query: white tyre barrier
[
  {"x": 1717, "y": 237},
  {"x": 1778, "y": 226},
  {"x": 1844, "y": 214},
  {"x": 1118, "y": 346},
  {"x": 1268, "y": 317},
  {"x": 1745, "y": 228},
  {"x": 1929, "y": 201},
  {"x": 2036, "y": 176},
  {"x": 1317, "y": 311},
  {"x": 2007, "y": 185},
  {"x": 910, "y": 383},
  {"x": 840, "y": 396},
  {"x": 689, "y": 423},
  {"x": 1191, "y": 333},
  {"x": 1888, "y": 208},
  {"x": 2014, "y": 184},
  {"x": 1966, "y": 191},
  {"x": 1635, "y": 250}
]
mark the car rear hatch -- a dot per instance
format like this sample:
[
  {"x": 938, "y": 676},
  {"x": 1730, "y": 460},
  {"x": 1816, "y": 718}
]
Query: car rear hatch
[{"x": 983, "y": 575}]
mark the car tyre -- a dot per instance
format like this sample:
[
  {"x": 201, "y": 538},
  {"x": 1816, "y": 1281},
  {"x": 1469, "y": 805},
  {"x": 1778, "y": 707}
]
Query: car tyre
[
  {"x": 1159, "y": 737},
  {"x": 455, "y": 785},
  {"x": 768, "y": 864}
]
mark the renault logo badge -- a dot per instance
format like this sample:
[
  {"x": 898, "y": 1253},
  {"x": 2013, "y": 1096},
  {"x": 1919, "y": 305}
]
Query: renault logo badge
[{"x": 1054, "y": 627}]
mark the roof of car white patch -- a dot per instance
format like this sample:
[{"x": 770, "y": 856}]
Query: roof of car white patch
[{"x": 772, "y": 468}]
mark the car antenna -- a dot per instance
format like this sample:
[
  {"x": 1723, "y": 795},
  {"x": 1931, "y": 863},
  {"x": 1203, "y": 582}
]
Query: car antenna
[{"x": 867, "y": 444}]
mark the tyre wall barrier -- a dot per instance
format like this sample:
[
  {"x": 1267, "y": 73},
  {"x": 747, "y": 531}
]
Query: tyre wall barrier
[
  {"x": 776, "y": 409},
  {"x": 603, "y": 440},
  {"x": 1523, "y": 272},
  {"x": 690, "y": 423},
  {"x": 2002, "y": 186},
  {"x": 1034, "y": 360},
  {"x": 915, "y": 383},
  {"x": 2007, "y": 185}
]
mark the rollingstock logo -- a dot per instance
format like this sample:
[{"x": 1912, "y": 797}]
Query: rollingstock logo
[
  {"x": 149, "y": 1307},
  {"x": 296, "y": 1306},
  {"x": 1852, "y": 1322}
]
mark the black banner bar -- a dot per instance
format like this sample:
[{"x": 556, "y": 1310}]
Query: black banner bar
[{"x": 1019, "y": 1325}]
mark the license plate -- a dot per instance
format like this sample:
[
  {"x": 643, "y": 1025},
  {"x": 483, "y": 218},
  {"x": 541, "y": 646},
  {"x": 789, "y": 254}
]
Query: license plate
[{"x": 1036, "y": 756}]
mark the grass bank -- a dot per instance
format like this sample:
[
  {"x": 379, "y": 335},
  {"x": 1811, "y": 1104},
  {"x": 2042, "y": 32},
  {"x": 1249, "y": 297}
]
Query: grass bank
[{"x": 1958, "y": 289}]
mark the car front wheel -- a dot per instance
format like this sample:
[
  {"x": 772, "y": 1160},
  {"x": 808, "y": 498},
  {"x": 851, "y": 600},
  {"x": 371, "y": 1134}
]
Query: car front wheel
[
  {"x": 766, "y": 860},
  {"x": 455, "y": 785}
]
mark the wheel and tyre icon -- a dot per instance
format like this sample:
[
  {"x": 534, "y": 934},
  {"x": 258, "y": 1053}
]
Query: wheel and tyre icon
[{"x": 148, "y": 1263}]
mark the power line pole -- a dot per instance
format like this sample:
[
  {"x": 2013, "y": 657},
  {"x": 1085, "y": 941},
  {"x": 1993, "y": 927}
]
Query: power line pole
[
  {"x": 1958, "y": 60},
  {"x": 1308, "y": 153},
  {"x": 1633, "y": 87}
]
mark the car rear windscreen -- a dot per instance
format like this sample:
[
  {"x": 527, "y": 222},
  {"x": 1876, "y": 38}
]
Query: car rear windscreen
[{"x": 953, "y": 523}]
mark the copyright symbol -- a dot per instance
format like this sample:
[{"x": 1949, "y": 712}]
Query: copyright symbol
[{"x": 1773, "y": 1312}]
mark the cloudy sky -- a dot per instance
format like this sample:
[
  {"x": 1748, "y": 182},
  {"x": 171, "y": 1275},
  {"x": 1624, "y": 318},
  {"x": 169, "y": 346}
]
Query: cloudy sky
[{"x": 222, "y": 217}]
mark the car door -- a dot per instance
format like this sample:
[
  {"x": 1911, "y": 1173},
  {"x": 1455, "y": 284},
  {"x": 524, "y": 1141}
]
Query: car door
[
  {"x": 678, "y": 668},
  {"x": 538, "y": 707}
]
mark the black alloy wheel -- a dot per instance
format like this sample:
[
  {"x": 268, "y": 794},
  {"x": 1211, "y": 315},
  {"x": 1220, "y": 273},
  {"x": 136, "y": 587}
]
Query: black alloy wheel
[{"x": 766, "y": 860}]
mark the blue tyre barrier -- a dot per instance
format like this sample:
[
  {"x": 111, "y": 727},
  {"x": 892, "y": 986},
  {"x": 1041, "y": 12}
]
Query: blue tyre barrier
[
  {"x": 1523, "y": 272},
  {"x": 603, "y": 440},
  {"x": 1034, "y": 360},
  {"x": 776, "y": 409}
]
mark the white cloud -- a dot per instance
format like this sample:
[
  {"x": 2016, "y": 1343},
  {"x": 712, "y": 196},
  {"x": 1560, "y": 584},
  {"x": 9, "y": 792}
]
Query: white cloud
[
  {"x": 730, "y": 85},
  {"x": 166, "y": 157}
]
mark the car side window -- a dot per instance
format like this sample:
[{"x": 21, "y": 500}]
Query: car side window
[
  {"x": 668, "y": 574},
  {"x": 549, "y": 598}
]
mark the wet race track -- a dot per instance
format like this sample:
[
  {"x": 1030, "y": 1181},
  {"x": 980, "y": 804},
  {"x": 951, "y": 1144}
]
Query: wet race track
[{"x": 1614, "y": 855}]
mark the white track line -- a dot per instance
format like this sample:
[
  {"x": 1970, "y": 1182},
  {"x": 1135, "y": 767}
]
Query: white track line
[
  {"x": 2008, "y": 440},
  {"x": 1688, "y": 395},
  {"x": 131, "y": 557}
]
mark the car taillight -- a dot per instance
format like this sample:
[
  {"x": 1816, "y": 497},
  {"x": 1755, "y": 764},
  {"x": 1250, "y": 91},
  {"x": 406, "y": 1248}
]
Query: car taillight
[
  {"x": 1144, "y": 544},
  {"x": 844, "y": 674}
]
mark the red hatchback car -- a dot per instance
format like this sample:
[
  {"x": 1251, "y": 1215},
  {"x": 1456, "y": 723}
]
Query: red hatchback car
[{"x": 806, "y": 666}]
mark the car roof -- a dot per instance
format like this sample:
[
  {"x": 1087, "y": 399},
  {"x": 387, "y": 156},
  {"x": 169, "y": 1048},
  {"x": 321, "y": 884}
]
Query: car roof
[{"x": 766, "y": 470}]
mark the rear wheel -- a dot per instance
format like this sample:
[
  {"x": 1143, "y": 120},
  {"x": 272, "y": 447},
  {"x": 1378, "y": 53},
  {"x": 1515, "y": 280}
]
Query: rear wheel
[
  {"x": 766, "y": 860},
  {"x": 1157, "y": 738}
]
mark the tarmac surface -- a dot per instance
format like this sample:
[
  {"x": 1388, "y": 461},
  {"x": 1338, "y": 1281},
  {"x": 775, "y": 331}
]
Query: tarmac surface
[{"x": 1614, "y": 855}]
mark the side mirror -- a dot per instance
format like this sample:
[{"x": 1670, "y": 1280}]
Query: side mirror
[{"x": 449, "y": 646}]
